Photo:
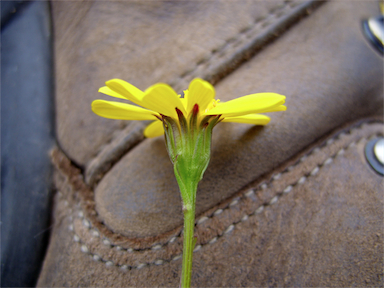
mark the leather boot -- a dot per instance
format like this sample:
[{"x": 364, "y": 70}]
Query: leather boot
[{"x": 294, "y": 203}]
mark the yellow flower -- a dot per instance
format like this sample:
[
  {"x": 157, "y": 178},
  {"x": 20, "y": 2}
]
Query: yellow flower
[
  {"x": 187, "y": 123},
  {"x": 161, "y": 100}
]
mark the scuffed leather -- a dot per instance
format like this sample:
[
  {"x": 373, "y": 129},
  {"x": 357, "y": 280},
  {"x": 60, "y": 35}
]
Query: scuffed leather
[
  {"x": 145, "y": 43},
  {"x": 325, "y": 88},
  {"x": 291, "y": 204},
  {"x": 315, "y": 221}
]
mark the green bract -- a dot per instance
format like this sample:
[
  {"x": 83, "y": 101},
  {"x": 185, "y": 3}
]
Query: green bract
[{"x": 188, "y": 142}]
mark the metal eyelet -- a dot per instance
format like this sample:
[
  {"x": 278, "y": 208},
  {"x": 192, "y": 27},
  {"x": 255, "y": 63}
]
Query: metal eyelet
[
  {"x": 374, "y": 31},
  {"x": 374, "y": 152}
]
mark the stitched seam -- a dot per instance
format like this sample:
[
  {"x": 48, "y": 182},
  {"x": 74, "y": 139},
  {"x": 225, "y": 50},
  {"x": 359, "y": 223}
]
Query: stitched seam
[
  {"x": 263, "y": 186},
  {"x": 231, "y": 227},
  {"x": 231, "y": 42}
]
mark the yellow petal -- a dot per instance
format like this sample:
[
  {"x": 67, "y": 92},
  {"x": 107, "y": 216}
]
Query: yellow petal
[
  {"x": 126, "y": 90},
  {"x": 109, "y": 92},
  {"x": 163, "y": 99},
  {"x": 154, "y": 129},
  {"x": 255, "y": 119},
  {"x": 250, "y": 104},
  {"x": 200, "y": 92},
  {"x": 184, "y": 102},
  {"x": 275, "y": 109},
  {"x": 123, "y": 111}
]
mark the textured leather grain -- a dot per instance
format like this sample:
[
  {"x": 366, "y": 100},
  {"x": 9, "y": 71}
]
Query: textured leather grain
[
  {"x": 145, "y": 43},
  {"x": 290, "y": 204},
  {"x": 322, "y": 94},
  {"x": 315, "y": 221}
]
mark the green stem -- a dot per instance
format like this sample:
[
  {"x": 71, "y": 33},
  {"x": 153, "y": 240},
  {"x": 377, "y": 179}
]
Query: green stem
[{"x": 189, "y": 243}]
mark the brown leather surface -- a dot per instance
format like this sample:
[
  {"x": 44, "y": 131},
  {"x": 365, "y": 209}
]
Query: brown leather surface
[
  {"x": 145, "y": 43},
  {"x": 325, "y": 87},
  {"x": 316, "y": 221},
  {"x": 292, "y": 204}
]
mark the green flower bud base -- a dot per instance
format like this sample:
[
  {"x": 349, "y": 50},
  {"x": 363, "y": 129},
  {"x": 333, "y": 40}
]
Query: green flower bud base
[{"x": 188, "y": 141}]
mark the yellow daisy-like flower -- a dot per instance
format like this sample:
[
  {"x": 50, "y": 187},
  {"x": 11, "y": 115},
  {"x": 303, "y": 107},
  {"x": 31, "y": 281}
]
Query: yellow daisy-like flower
[
  {"x": 161, "y": 100},
  {"x": 187, "y": 123}
]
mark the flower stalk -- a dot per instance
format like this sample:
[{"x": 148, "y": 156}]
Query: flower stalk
[
  {"x": 188, "y": 244},
  {"x": 188, "y": 141}
]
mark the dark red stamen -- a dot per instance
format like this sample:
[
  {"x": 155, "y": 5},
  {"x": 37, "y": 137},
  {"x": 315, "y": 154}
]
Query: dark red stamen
[
  {"x": 195, "y": 109},
  {"x": 179, "y": 113},
  {"x": 158, "y": 117}
]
